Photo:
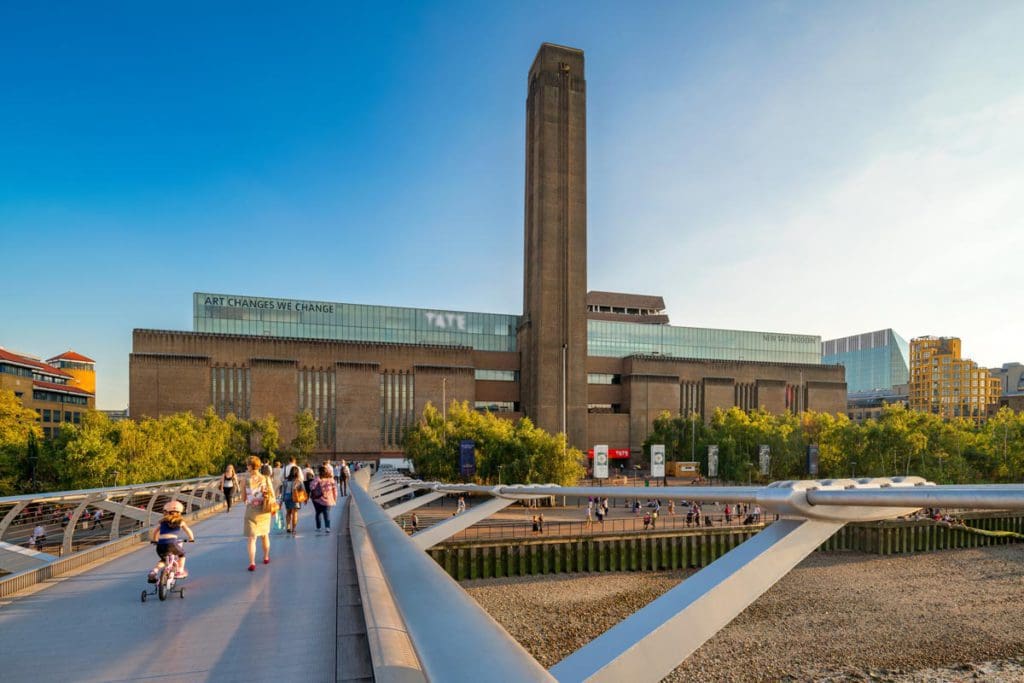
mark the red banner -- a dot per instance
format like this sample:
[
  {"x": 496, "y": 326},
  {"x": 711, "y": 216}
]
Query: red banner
[{"x": 613, "y": 454}]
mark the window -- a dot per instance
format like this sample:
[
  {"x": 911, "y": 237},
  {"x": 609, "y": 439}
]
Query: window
[
  {"x": 46, "y": 415},
  {"x": 56, "y": 416},
  {"x": 496, "y": 406},
  {"x": 498, "y": 375},
  {"x": 601, "y": 378},
  {"x": 47, "y": 433},
  {"x": 67, "y": 416},
  {"x": 77, "y": 418}
]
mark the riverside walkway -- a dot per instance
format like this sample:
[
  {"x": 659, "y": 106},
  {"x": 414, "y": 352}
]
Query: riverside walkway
[{"x": 279, "y": 623}]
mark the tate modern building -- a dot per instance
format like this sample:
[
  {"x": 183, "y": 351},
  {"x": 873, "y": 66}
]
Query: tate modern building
[{"x": 599, "y": 366}]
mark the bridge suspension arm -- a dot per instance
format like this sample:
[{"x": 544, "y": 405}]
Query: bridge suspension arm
[{"x": 648, "y": 645}]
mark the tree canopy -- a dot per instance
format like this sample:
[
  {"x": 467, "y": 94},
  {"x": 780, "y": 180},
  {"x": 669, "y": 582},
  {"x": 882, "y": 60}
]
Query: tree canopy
[
  {"x": 99, "y": 452},
  {"x": 899, "y": 442},
  {"x": 517, "y": 451}
]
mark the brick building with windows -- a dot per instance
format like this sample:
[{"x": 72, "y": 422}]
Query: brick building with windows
[
  {"x": 54, "y": 393},
  {"x": 599, "y": 366},
  {"x": 943, "y": 383}
]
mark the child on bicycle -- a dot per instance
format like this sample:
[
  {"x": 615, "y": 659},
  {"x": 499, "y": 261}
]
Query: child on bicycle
[{"x": 169, "y": 536}]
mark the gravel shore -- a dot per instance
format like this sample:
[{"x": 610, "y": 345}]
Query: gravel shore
[{"x": 944, "y": 616}]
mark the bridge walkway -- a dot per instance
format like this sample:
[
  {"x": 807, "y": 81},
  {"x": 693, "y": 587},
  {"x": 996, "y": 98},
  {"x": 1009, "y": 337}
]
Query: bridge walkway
[{"x": 279, "y": 623}]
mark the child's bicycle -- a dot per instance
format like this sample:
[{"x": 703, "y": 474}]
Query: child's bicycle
[{"x": 166, "y": 578}]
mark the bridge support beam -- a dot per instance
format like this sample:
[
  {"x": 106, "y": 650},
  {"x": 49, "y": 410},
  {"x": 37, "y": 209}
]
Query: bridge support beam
[
  {"x": 410, "y": 505},
  {"x": 395, "y": 495},
  {"x": 14, "y": 558},
  {"x": 122, "y": 510},
  {"x": 433, "y": 535},
  {"x": 651, "y": 643},
  {"x": 389, "y": 487}
]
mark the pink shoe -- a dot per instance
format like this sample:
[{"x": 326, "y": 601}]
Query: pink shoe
[
  {"x": 252, "y": 567},
  {"x": 266, "y": 560}
]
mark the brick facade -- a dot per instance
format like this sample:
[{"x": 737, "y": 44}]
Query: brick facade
[{"x": 371, "y": 392}]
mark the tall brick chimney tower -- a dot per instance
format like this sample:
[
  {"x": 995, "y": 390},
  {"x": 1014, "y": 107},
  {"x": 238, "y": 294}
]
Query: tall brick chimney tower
[{"x": 553, "y": 336}]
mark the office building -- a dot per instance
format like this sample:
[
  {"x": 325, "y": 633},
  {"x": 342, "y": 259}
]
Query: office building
[{"x": 1011, "y": 379}]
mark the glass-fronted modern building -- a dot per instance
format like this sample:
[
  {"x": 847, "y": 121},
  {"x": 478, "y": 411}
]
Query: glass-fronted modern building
[
  {"x": 621, "y": 339},
  {"x": 874, "y": 360},
  {"x": 301, "y": 319}
]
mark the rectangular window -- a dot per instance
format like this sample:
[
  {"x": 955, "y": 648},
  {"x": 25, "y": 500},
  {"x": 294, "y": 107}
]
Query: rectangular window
[
  {"x": 77, "y": 418},
  {"x": 495, "y": 406},
  {"x": 498, "y": 375},
  {"x": 56, "y": 416},
  {"x": 67, "y": 416},
  {"x": 46, "y": 415},
  {"x": 47, "y": 432}
]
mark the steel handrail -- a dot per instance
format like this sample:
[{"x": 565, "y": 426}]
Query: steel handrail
[
  {"x": 448, "y": 630},
  {"x": 49, "y": 496}
]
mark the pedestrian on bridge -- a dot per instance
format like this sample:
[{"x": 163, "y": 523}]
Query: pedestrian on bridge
[
  {"x": 259, "y": 506},
  {"x": 343, "y": 480},
  {"x": 324, "y": 493},
  {"x": 293, "y": 493},
  {"x": 227, "y": 485}
]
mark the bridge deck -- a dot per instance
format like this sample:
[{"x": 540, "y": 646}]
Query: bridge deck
[{"x": 277, "y": 623}]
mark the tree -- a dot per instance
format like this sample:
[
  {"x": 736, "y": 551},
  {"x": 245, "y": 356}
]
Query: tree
[
  {"x": 90, "y": 456},
  {"x": 269, "y": 436},
  {"x": 519, "y": 451},
  {"x": 305, "y": 435},
  {"x": 18, "y": 428}
]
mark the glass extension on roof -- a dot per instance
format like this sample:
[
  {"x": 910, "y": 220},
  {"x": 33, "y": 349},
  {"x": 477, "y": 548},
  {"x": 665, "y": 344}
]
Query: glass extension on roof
[
  {"x": 873, "y": 360},
  {"x": 620, "y": 339},
  {"x": 262, "y": 316}
]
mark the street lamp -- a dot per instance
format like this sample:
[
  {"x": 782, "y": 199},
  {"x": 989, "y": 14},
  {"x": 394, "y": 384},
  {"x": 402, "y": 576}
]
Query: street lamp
[
  {"x": 853, "y": 469},
  {"x": 500, "y": 467}
]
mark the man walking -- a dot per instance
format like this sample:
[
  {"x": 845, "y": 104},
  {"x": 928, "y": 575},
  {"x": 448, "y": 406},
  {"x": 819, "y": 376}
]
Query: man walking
[{"x": 343, "y": 479}]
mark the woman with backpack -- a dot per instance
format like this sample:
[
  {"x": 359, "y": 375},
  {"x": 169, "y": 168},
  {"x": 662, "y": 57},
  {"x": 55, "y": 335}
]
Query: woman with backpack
[
  {"x": 324, "y": 492},
  {"x": 294, "y": 495}
]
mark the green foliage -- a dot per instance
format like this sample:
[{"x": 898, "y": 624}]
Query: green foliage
[
  {"x": 518, "y": 451},
  {"x": 99, "y": 452},
  {"x": 899, "y": 442},
  {"x": 18, "y": 430},
  {"x": 305, "y": 435},
  {"x": 269, "y": 436}
]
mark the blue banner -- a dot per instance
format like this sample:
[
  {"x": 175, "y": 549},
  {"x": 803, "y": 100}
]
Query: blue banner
[
  {"x": 467, "y": 458},
  {"x": 812, "y": 460}
]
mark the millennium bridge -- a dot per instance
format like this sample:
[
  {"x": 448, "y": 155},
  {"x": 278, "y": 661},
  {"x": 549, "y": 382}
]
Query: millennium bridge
[{"x": 366, "y": 602}]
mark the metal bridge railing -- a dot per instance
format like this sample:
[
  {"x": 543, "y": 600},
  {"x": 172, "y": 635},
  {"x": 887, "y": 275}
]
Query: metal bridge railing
[
  {"x": 73, "y": 534},
  {"x": 451, "y": 636}
]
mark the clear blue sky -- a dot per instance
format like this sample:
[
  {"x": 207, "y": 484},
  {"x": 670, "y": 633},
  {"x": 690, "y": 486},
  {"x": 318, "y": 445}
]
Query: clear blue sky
[{"x": 819, "y": 168}]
